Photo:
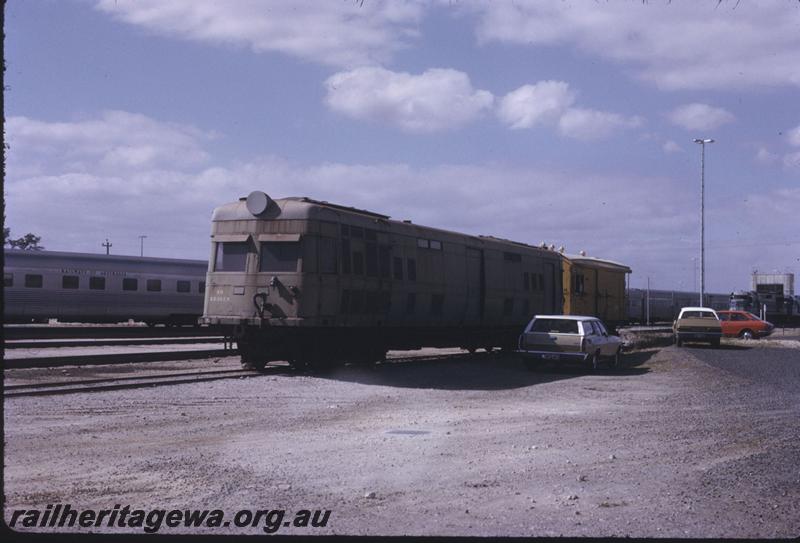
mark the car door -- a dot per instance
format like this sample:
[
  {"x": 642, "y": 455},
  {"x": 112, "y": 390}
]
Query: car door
[
  {"x": 598, "y": 341},
  {"x": 609, "y": 345}
]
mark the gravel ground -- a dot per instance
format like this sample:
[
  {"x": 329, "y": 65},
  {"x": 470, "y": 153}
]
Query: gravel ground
[{"x": 669, "y": 446}]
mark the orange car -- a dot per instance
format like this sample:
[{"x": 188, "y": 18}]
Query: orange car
[{"x": 743, "y": 324}]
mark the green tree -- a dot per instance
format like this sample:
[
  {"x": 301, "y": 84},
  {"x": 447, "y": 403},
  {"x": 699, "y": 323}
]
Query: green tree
[{"x": 28, "y": 242}]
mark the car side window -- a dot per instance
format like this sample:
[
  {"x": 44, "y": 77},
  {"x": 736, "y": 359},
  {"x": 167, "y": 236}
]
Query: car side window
[
  {"x": 601, "y": 329},
  {"x": 724, "y": 317}
]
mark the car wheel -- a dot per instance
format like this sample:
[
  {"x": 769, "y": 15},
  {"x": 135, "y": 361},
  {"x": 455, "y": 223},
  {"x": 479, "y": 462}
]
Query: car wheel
[
  {"x": 595, "y": 361},
  {"x": 746, "y": 334}
]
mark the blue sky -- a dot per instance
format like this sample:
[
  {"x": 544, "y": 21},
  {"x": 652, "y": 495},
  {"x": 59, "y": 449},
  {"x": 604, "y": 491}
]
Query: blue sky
[{"x": 569, "y": 122}]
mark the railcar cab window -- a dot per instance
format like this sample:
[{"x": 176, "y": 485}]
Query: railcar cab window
[
  {"x": 154, "y": 285},
  {"x": 97, "y": 283},
  {"x": 33, "y": 280},
  {"x": 8, "y": 279},
  {"x": 279, "y": 256},
  {"x": 231, "y": 256},
  {"x": 184, "y": 286},
  {"x": 70, "y": 281},
  {"x": 130, "y": 283}
]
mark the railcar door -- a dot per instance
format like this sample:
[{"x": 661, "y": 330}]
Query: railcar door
[{"x": 476, "y": 288}]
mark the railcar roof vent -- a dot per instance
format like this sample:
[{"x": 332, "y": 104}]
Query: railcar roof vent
[{"x": 258, "y": 202}]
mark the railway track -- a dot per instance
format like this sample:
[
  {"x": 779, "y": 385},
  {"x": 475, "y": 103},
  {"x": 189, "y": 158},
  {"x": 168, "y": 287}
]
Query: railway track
[
  {"x": 75, "y": 386},
  {"x": 119, "y": 383}
]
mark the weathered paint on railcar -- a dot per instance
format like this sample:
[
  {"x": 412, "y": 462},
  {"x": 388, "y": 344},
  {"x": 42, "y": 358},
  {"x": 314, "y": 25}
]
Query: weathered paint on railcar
[
  {"x": 353, "y": 276},
  {"x": 595, "y": 287}
]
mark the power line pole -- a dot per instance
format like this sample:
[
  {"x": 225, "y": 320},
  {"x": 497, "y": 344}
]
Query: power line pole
[
  {"x": 107, "y": 245},
  {"x": 141, "y": 245}
]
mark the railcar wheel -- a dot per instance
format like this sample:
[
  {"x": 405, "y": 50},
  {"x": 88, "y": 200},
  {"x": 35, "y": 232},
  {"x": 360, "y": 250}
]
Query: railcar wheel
[
  {"x": 488, "y": 349},
  {"x": 471, "y": 350}
]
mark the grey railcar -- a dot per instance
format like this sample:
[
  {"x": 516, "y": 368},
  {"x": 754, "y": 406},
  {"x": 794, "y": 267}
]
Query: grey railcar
[
  {"x": 316, "y": 283},
  {"x": 81, "y": 287}
]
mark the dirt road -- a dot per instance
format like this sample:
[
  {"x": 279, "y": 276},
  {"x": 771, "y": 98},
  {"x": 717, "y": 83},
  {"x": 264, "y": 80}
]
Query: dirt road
[{"x": 668, "y": 446}]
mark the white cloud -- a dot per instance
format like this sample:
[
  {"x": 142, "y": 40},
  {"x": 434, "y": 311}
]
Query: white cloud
[
  {"x": 793, "y": 137},
  {"x": 532, "y": 104},
  {"x": 700, "y": 117},
  {"x": 670, "y": 147},
  {"x": 674, "y": 45},
  {"x": 170, "y": 200},
  {"x": 792, "y": 160},
  {"x": 438, "y": 99},
  {"x": 115, "y": 139},
  {"x": 343, "y": 33},
  {"x": 589, "y": 124},
  {"x": 765, "y": 156}
]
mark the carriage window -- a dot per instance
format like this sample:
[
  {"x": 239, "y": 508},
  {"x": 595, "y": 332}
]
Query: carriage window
[
  {"x": 97, "y": 283},
  {"x": 437, "y": 245},
  {"x": 69, "y": 281},
  {"x": 130, "y": 283},
  {"x": 279, "y": 256},
  {"x": 201, "y": 287},
  {"x": 8, "y": 279},
  {"x": 184, "y": 286},
  {"x": 422, "y": 243},
  {"x": 154, "y": 285},
  {"x": 579, "y": 286},
  {"x": 231, "y": 256},
  {"x": 33, "y": 280},
  {"x": 326, "y": 255}
]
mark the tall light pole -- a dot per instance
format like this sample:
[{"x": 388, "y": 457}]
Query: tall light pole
[
  {"x": 702, "y": 143},
  {"x": 141, "y": 245}
]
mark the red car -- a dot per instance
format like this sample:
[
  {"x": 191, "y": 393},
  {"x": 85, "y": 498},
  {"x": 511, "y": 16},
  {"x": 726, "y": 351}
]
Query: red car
[{"x": 743, "y": 324}]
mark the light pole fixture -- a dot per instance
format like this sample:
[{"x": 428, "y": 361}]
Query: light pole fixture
[
  {"x": 702, "y": 143},
  {"x": 141, "y": 245}
]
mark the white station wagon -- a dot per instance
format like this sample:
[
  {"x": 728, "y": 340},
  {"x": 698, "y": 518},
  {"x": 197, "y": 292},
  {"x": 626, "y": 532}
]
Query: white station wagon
[{"x": 564, "y": 338}]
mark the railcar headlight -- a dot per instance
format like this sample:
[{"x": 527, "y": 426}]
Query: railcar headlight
[{"x": 258, "y": 202}]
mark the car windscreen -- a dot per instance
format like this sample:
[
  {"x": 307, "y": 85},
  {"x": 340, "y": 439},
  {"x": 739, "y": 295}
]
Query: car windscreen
[{"x": 555, "y": 326}]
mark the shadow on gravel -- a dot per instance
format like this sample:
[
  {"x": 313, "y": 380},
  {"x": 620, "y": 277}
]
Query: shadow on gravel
[
  {"x": 723, "y": 347},
  {"x": 496, "y": 372}
]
